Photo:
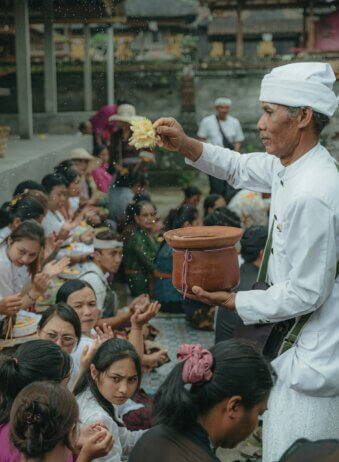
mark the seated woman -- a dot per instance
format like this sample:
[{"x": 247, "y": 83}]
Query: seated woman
[
  {"x": 192, "y": 196},
  {"x": 100, "y": 175},
  {"x": 122, "y": 193},
  {"x": 32, "y": 361},
  {"x": 73, "y": 184},
  {"x": 113, "y": 376},
  {"x": 170, "y": 298},
  {"x": 213, "y": 201},
  {"x": 140, "y": 250},
  {"x": 61, "y": 324},
  {"x": 19, "y": 209},
  {"x": 20, "y": 265},
  {"x": 28, "y": 185},
  {"x": 44, "y": 422},
  {"x": 211, "y": 399},
  {"x": 222, "y": 216},
  {"x": 54, "y": 221},
  {"x": 81, "y": 297}
]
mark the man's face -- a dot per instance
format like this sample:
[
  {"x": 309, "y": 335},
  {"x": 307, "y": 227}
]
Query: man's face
[
  {"x": 222, "y": 111},
  {"x": 278, "y": 131},
  {"x": 109, "y": 259},
  {"x": 238, "y": 423}
]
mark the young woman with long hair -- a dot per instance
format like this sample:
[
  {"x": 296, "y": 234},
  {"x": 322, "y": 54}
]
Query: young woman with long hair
[{"x": 112, "y": 377}]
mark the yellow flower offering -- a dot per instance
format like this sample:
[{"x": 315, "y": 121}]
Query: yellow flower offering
[{"x": 143, "y": 134}]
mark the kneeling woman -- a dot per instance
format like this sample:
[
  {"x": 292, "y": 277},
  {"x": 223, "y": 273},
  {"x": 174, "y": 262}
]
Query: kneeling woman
[
  {"x": 210, "y": 399},
  {"x": 112, "y": 378}
]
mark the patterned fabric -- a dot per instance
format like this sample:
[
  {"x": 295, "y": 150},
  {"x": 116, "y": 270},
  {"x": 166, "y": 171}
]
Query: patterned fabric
[
  {"x": 164, "y": 291},
  {"x": 143, "y": 418},
  {"x": 292, "y": 415},
  {"x": 139, "y": 257},
  {"x": 250, "y": 207},
  {"x": 102, "y": 178}
]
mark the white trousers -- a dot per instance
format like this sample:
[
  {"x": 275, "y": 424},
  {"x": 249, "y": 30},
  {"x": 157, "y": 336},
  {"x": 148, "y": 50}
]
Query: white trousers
[{"x": 292, "y": 415}]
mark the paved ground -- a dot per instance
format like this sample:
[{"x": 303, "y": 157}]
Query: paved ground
[
  {"x": 164, "y": 199},
  {"x": 32, "y": 159}
]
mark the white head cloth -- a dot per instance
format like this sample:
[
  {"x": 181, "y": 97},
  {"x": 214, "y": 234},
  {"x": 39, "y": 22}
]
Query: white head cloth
[
  {"x": 301, "y": 85},
  {"x": 222, "y": 101},
  {"x": 100, "y": 244}
]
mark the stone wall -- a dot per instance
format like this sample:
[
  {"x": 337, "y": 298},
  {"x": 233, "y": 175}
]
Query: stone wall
[{"x": 154, "y": 93}]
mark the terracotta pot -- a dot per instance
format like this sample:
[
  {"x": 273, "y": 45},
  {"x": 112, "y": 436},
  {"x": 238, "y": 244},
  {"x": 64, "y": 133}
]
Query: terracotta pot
[{"x": 204, "y": 256}]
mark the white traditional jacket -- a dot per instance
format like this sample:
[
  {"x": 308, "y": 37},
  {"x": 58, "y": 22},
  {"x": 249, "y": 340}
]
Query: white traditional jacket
[{"x": 302, "y": 265}]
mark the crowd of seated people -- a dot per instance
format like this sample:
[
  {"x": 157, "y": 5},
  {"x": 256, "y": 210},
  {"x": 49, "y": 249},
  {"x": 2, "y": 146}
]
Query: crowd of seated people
[{"x": 74, "y": 391}]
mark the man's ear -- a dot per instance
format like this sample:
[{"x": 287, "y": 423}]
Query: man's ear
[
  {"x": 305, "y": 117},
  {"x": 96, "y": 254}
]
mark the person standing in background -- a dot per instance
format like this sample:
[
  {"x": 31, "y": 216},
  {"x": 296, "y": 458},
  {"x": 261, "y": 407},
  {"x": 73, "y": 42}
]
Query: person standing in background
[{"x": 221, "y": 129}]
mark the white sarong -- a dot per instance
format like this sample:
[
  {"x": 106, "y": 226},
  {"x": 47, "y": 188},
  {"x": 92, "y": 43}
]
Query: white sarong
[{"x": 292, "y": 415}]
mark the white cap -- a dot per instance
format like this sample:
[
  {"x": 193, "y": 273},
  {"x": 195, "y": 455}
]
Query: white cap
[
  {"x": 223, "y": 101},
  {"x": 301, "y": 85}
]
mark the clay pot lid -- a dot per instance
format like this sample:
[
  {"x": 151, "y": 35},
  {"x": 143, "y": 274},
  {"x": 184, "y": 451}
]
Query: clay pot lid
[{"x": 203, "y": 237}]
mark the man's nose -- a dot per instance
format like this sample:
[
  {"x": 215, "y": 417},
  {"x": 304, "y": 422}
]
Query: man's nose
[{"x": 261, "y": 123}]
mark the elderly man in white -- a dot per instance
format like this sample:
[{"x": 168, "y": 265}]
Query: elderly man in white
[{"x": 297, "y": 102}]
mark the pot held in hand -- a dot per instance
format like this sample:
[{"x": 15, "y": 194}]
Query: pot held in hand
[{"x": 204, "y": 256}]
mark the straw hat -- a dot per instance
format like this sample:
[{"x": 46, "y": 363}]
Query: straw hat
[
  {"x": 80, "y": 154},
  {"x": 126, "y": 113}
]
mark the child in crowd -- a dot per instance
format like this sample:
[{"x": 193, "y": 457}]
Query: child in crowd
[
  {"x": 100, "y": 175},
  {"x": 140, "y": 250},
  {"x": 112, "y": 377},
  {"x": 44, "y": 423},
  {"x": 210, "y": 399}
]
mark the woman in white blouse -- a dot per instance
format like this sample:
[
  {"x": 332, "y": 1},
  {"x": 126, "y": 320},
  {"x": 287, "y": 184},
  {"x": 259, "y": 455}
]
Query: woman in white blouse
[
  {"x": 113, "y": 377},
  {"x": 19, "y": 263},
  {"x": 54, "y": 221},
  {"x": 21, "y": 257}
]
